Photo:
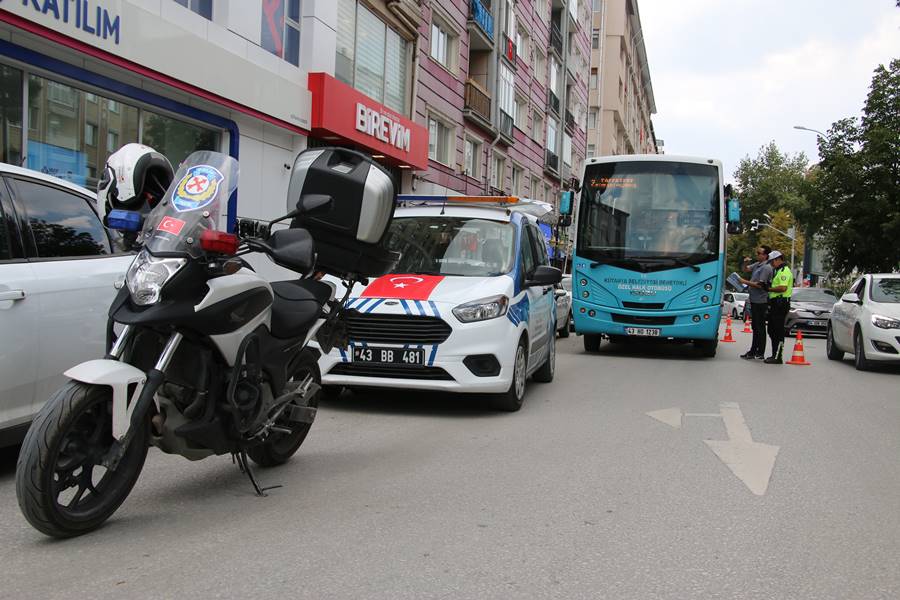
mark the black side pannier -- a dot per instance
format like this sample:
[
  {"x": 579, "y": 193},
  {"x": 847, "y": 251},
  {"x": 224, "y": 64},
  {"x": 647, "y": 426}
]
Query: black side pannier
[{"x": 348, "y": 234}]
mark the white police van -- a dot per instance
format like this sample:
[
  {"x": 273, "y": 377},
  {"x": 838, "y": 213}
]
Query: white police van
[{"x": 469, "y": 308}]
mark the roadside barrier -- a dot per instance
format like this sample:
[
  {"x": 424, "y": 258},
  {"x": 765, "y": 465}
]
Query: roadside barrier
[
  {"x": 797, "y": 357},
  {"x": 728, "y": 337},
  {"x": 747, "y": 328}
]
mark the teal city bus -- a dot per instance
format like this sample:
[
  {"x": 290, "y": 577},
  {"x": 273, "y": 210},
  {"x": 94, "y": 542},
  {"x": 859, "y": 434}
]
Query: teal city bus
[{"x": 649, "y": 255}]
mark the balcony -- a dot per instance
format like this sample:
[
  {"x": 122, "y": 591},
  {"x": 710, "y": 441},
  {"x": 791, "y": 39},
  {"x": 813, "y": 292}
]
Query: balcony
[
  {"x": 551, "y": 162},
  {"x": 553, "y": 103},
  {"x": 570, "y": 121},
  {"x": 480, "y": 15},
  {"x": 477, "y": 104},
  {"x": 556, "y": 40}
]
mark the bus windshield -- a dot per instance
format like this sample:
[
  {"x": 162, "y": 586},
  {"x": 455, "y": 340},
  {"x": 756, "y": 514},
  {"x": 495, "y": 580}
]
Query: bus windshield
[{"x": 640, "y": 212}]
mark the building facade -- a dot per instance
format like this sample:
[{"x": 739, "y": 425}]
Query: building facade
[
  {"x": 621, "y": 102},
  {"x": 503, "y": 91},
  {"x": 459, "y": 96}
]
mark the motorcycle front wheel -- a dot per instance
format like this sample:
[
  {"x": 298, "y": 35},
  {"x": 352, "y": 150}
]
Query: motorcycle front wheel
[
  {"x": 62, "y": 487},
  {"x": 280, "y": 447}
]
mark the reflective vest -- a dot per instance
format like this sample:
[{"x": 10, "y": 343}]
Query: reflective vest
[{"x": 782, "y": 277}]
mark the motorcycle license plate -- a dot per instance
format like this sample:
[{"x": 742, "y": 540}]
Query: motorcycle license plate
[
  {"x": 642, "y": 331},
  {"x": 389, "y": 356}
]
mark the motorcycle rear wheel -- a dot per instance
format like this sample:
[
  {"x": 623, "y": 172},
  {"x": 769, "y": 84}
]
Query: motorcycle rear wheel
[
  {"x": 62, "y": 488},
  {"x": 280, "y": 447}
]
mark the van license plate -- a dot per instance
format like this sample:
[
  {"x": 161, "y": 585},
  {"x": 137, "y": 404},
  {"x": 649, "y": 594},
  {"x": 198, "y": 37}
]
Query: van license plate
[
  {"x": 642, "y": 331},
  {"x": 389, "y": 356}
]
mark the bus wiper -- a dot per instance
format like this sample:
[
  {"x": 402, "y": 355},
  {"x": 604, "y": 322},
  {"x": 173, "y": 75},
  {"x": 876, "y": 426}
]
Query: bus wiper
[
  {"x": 684, "y": 263},
  {"x": 619, "y": 262}
]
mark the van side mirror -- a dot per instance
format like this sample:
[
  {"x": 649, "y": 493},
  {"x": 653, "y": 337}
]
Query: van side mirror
[{"x": 543, "y": 276}]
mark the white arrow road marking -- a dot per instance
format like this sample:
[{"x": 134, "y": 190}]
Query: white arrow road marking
[
  {"x": 751, "y": 462},
  {"x": 669, "y": 416}
]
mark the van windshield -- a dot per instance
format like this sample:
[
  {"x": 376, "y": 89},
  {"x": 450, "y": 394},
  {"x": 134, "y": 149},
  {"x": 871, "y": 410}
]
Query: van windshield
[{"x": 440, "y": 245}]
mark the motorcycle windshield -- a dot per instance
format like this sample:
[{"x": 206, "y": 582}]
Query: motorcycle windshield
[{"x": 195, "y": 200}]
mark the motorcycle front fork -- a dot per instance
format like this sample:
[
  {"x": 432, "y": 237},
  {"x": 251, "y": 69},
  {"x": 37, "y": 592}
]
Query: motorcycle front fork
[{"x": 155, "y": 378}]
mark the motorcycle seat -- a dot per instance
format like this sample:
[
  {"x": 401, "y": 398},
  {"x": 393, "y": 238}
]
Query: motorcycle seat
[{"x": 296, "y": 306}]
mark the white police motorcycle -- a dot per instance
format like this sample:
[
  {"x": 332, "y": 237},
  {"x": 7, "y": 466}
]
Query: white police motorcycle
[{"x": 210, "y": 359}]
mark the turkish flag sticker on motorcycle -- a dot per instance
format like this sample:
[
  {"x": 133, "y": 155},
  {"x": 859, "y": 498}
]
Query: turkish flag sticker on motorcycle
[
  {"x": 171, "y": 225},
  {"x": 403, "y": 287}
]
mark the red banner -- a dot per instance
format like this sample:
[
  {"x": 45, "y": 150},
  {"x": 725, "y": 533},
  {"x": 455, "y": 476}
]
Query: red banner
[{"x": 403, "y": 287}]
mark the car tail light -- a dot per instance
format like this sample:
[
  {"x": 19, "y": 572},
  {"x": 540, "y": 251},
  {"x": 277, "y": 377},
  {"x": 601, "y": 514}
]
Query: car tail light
[{"x": 219, "y": 242}]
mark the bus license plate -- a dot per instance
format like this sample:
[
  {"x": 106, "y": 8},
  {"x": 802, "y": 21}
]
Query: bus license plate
[
  {"x": 389, "y": 356},
  {"x": 643, "y": 331}
]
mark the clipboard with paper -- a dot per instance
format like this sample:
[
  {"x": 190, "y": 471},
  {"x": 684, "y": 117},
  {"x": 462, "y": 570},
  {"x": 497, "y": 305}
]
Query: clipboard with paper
[{"x": 734, "y": 280}]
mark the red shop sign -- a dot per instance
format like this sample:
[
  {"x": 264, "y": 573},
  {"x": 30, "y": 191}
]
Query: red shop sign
[{"x": 339, "y": 110}]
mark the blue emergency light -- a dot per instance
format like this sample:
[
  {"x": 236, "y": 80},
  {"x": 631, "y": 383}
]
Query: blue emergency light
[{"x": 124, "y": 220}]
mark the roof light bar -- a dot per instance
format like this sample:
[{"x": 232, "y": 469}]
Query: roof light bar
[{"x": 459, "y": 199}]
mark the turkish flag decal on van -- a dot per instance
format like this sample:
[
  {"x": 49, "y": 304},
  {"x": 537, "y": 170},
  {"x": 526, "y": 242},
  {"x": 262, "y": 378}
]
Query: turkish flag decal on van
[{"x": 403, "y": 287}]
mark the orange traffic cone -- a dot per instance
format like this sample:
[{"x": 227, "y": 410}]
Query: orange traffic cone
[
  {"x": 747, "y": 326},
  {"x": 797, "y": 357},
  {"x": 728, "y": 337}
]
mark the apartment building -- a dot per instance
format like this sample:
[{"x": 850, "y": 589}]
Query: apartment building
[
  {"x": 502, "y": 89},
  {"x": 459, "y": 96},
  {"x": 620, "y": 97}
]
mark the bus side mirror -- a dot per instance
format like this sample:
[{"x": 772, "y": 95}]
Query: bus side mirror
[{"x": 566, "y": 200}]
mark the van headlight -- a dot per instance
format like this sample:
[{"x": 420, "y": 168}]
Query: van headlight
[
  {"x": 885, "y": 322},
  {"x": 148, "y": 274},
  {"x": 482, "y": 310}
]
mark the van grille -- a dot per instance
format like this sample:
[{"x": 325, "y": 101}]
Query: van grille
[
  {"x": 393, "y": 371},
  {"x": 397, "y": 329}
]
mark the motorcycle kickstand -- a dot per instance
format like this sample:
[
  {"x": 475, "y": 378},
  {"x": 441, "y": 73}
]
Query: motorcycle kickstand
[{"x": 244, "y": 465}]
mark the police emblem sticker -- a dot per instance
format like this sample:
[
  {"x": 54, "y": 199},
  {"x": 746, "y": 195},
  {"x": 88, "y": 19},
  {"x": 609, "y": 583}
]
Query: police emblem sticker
[{"x": 197, "y": 189}]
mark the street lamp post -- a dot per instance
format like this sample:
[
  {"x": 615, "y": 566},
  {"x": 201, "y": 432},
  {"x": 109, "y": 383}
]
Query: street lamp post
[
  {"x": 788, "y": 234},
  {"x": 807, "y": 251},
  {"x": 816, "y": 131}
]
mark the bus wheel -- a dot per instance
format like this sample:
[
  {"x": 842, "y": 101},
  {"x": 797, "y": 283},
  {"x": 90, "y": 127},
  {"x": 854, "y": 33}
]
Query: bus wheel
[
  {"x": 592, "y": 342},
  {"x": 706, "y": 348}
]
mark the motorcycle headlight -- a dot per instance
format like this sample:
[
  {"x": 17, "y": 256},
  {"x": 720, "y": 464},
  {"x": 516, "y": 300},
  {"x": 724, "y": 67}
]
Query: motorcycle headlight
[
  {"x": 885, "y": 322},
  {"x": 148, "y": 274},
  {"x": 482, "y": 310}
]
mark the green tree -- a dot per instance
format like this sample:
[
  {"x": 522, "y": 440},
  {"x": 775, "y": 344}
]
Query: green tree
[
  {"x": 856, "y": 205},
  {"x": 773, "y": 183}
]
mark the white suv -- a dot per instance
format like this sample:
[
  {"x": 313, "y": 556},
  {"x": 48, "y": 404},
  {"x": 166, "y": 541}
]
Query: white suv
[{"x": 58, "y": 271}]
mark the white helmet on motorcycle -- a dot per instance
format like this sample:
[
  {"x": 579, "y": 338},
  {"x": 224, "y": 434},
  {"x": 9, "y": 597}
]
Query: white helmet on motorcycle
[{"x": 136, "y": 177}]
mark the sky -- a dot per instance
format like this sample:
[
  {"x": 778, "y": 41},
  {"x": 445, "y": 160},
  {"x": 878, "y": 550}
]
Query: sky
[{"x": 730, "y": 76}]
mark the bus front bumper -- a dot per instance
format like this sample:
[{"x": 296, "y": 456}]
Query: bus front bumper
[{"x": 700, "y": 323}]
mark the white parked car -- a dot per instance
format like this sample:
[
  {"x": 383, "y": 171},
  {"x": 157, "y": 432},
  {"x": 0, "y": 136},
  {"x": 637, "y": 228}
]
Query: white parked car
[
  {"x": 563, "y": 292},
  {"x": 469, "y": 308},
  {"x": 866, "y": 322},
  {"x": 733, "y": 304},
  {"x": 58, "y": 272}
]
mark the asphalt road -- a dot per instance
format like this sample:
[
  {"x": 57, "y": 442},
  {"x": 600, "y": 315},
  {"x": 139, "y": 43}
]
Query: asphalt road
[{"x": 579, "y": 495}]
